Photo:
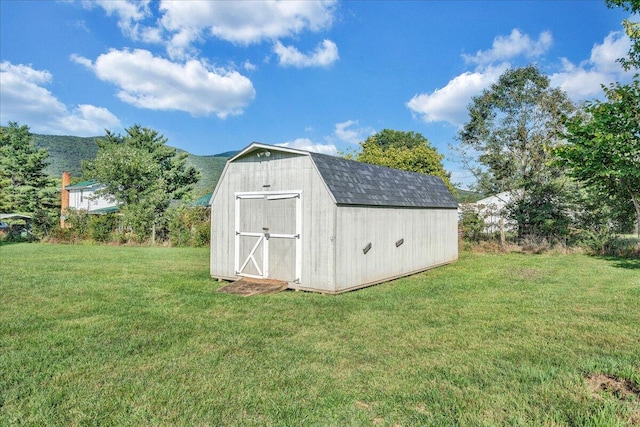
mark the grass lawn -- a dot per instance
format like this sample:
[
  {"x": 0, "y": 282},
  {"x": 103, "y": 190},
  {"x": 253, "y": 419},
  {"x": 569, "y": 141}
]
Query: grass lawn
[{"x": 101, "y": 335}]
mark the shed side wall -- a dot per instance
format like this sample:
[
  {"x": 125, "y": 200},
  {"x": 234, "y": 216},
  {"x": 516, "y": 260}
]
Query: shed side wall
[
  {"x": 278, "y": 172},
  {"x": 428, "y": 238}
]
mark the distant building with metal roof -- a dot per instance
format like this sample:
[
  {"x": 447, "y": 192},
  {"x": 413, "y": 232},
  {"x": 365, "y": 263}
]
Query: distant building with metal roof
[
  {"x": 84, "y": 196},
  {"x": 85, "y": 185},
  {"x": 203, "y": 201},
  {"x": 327, "y": 224}
]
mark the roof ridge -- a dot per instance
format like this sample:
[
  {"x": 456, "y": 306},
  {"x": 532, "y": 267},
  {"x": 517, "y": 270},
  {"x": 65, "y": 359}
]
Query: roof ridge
[
  {"x": 373, "y": 165},
  {"x": 356, "y": 183}
]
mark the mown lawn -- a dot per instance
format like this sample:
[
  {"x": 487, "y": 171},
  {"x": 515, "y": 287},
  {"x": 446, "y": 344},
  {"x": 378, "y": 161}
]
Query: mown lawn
[{"x": 100, "y": 335}]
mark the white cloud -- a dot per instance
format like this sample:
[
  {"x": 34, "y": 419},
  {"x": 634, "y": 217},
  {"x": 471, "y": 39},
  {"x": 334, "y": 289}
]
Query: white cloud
[
  {"x": 324, "y": 55},
  {"x": 248, "y": 22},
  {"x": 150, "y": 35},
  {"x": 514, "y": 45},
  {"x": 449, "y": 104},
  {"x": 24, "y": 99},
  {"x": 81, "y": 60},
  {"x": 585, "y": 79},
  {"x": 80, "y": 25},
  {"x": 350, "y": 132},
  {"x": 129, "y": 14},
  {"x": 179, "y": 45},
  {"x": 180, "y": 24},
  {"x": 604, "y": 56},
  {"x": 308, "y": 145},
  {"x": 463, "y": 179},
  {"x": 154, "y": 83}
]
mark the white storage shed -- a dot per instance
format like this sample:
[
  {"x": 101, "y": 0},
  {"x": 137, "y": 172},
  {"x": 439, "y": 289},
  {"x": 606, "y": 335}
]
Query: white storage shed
[{"x": 327, "y": 224}]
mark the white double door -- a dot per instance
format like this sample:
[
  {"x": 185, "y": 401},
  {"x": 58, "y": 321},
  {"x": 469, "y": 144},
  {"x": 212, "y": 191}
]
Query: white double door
[{"x": 268, "y": 235}]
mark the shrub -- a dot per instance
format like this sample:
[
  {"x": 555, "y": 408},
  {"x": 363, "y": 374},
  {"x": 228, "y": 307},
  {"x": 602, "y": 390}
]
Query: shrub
[
  {"x": 18, "y": 236},
  {"x": 189, "y": 226},
  {"x": 61, "y": 235},
  {"x": 621, "y": 247},
  {"x": 101, "y": 227},
  {"x": 44, "y": 221},
  {"x": 471, "y": 224},
  {"x": 78, "y": 223},
  {"x": 606, "y": 243},
  {"x": 139, "y": 219},
  {"x": 202, "y": 234}
]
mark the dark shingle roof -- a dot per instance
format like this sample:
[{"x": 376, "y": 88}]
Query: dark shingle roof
[{"x": 356, "y": 183}]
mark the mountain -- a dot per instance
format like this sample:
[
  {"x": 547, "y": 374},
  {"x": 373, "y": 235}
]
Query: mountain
[
  {"x": 66, "y": 153},
  {"x": 210, "y": 168},
  {"x": 228, "y": 154}
]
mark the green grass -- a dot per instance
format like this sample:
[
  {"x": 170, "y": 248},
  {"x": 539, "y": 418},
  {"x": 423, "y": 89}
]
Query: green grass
[{"x": 100, "y": 335}]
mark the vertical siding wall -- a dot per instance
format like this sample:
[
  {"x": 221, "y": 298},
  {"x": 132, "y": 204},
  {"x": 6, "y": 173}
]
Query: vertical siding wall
[
  {"x": 280, "y": 172},
  {"x": 430, "y": 239}
]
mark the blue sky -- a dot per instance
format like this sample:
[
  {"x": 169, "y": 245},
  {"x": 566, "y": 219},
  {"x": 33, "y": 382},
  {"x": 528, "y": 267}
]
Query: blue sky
[{"x": 213, "y": 76}]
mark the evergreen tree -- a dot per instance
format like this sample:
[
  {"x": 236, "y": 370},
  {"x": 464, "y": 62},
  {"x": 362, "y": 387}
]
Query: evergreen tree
[{"x": 24, "y": 186}]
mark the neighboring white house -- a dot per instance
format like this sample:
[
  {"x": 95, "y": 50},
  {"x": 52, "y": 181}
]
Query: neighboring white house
[
  {"x": 327, "y": 224},
  {"x": 82, "y": 196},
  {"x": 493, "y": 211}
]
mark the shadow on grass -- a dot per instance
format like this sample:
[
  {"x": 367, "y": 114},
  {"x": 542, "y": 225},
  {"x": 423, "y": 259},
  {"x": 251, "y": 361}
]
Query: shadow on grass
[{"x": 626, "y": 263}]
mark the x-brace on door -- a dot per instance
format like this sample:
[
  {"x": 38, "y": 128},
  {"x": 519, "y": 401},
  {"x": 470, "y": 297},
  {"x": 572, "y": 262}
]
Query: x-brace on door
[{"x": 268, "y": 235}]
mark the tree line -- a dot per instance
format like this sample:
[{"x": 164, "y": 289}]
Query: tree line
[
  {"x": 573, "y": 170},
  {"x": 138, "y": 171}
]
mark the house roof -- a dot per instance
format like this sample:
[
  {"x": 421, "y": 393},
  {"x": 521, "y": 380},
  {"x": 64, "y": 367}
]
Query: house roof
[
  {"x": 203, "y": 201},
  {"x": 105, "y": 210},
  {"x": 500, "y": 199},
  {"x": 357, "y": 183},
  {"x": 14, "y": 216},
  {"x": 83, "y": 185}
]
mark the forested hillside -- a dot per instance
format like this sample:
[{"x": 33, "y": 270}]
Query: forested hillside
[
  {"x": 210, "y": 168},
  {"x": 66, "y": 153}
]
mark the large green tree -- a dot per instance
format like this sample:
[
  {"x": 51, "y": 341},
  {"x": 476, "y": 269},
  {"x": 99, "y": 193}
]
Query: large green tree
[
  {"x": 513, "y": 127},
  {"x": 603, "y": 145},
  {"x": 632, "y": 29},
  {"x": 24, "y": 186},
  {"x": 408, "y": 151},
  {"x": 142, "y": 174}
]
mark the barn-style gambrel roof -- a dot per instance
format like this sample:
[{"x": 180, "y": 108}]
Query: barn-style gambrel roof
[
  {"x": 357, "y": 183},
  {"x": 363, "y": 184}
]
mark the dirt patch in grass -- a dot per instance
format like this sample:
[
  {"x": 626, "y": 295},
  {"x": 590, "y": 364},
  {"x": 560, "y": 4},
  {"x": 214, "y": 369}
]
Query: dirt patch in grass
[
  {"x": 248, "y": 287},
  {"x": 619, "y": 387}
]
